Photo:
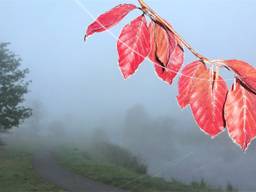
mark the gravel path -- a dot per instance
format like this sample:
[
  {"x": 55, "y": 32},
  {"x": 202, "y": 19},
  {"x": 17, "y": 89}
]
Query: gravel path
[{"x": 46, "y": 166}]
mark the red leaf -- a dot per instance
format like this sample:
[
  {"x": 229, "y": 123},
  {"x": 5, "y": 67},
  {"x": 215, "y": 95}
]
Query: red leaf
[
  {"x": 109, "y": 19},
  {"x": 187, "y": 81},
  {"x": 166, "y": 53},
  {"x": 133, "y": 45},
  {"x": 161, "y": 46},
  {"x": 207, "y": 100},
  {"x": 240, "y": 115},
  {"x": 174, "y": 64},
  {"x": 246, "y": 72}
]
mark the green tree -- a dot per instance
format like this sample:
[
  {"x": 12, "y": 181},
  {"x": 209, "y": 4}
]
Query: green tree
[{"x": 13, "y": 87}]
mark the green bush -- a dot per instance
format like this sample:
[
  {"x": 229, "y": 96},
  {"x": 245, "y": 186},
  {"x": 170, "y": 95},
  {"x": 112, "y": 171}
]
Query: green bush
[{"x": 114, "y": 154}]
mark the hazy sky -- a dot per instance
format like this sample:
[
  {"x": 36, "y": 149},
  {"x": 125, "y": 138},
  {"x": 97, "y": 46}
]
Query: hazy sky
[
  {"x": 70, "y": 75},
  {"x": 82, "y": 80}
]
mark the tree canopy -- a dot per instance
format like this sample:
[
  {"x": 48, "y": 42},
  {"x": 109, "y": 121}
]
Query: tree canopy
[{"x": 13, "y": 87}]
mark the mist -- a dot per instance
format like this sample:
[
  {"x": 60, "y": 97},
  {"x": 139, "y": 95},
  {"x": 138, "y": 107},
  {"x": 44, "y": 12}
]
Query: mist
[
  {"x": 171, "y": 149},
  {"x": 78, "y": 94}
]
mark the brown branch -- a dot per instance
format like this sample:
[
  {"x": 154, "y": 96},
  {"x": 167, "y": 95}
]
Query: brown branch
[{"x": 148, "y": 10}]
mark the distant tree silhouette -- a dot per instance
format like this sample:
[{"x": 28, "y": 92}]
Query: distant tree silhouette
[{"x": 230, "y": 188}]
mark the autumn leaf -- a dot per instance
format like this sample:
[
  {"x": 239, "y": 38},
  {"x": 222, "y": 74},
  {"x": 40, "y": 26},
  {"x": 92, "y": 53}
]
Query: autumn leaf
[
  {"x": 244, "y": 71},
  {"x": 207, "y": 99},
  {"x": 240, "y": 115},
  {"x": 161, "y": 46},
  {"x": 173, "y": 66},
  {"x": 133, "y": 45},
  {"x": 187, "y": 80},
  {"x": 166, "y": 54},
  {"x": 109, "y": 19}
]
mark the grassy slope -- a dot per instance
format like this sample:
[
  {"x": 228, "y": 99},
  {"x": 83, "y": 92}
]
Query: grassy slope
[
  {"x": 96, "y": 167},
  {"x": 17, "y": 174}
]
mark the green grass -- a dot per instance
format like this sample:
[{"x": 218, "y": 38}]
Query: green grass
[
  {"x": 17, "y": 174},
  {"x": 99, "y": 166}
]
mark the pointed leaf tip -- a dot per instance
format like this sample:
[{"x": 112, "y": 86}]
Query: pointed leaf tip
[
  {"x": 109, "y": 18},
  {"x": 240, "y": 115}
]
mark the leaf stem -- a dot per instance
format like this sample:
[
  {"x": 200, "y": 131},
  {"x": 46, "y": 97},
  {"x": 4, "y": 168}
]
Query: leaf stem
[{"x": 153, "y": 14}]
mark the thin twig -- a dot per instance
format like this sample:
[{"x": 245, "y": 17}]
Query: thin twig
[{"x": 158, "y": 18}]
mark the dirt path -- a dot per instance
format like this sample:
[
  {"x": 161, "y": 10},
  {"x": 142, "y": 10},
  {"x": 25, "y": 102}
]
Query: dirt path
[{"x": 46, "y": 166}]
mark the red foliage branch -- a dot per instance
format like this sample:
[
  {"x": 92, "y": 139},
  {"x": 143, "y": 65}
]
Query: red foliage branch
[{"x": 200, "y": 86}]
